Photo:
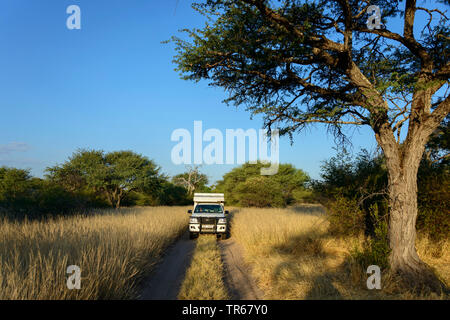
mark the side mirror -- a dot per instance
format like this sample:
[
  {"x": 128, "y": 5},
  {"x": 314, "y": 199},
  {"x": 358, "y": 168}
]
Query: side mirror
[
  {"x": 227, "y": 212},
  {"x": 189, "y": 211}
]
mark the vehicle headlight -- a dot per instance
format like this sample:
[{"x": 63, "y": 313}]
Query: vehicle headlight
[
  {"x": 222, "y": 220},
  {"x": 193, "y": 220}
]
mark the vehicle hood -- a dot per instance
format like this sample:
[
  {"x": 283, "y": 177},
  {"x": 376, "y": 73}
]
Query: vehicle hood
[{"x": 208, "y": 215}]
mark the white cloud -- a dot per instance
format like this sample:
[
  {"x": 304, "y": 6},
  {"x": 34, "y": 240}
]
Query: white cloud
[{"x": 13, "y": 147}]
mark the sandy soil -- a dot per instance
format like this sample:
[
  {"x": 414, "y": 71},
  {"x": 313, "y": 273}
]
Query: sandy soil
[
  {"x": 165, "y": 281},
  {"x": 237, "y": 275}
]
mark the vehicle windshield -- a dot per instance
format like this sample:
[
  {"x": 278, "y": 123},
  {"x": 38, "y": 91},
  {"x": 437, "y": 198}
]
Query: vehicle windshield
[{"x": 208, "y": 208}]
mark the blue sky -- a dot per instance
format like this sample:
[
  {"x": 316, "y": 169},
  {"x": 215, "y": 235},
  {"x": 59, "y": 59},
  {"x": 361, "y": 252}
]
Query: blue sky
[{"x": 112, "y": 86}]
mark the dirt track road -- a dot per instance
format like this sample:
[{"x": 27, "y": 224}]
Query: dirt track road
[
  {"x": 237, "y": 275},
  {"x": 165, "y": 281}
]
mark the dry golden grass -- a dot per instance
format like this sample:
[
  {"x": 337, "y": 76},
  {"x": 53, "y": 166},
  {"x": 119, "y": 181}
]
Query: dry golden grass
[
  {"x": 294, "y": 257},
  {"x": 204, "y": 278},
  {"x": 437, "y": 256},
  {"x": 114, "y": 250}
]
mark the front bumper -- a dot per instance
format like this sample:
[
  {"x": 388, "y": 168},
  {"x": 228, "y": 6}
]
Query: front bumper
[{"x": 201, "y": 228}]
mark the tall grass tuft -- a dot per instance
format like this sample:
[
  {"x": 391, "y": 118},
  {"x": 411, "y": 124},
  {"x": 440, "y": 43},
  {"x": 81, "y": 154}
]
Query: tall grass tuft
[
  {"x": 115, "y": 249},
  {"x": 204, "y": 278},
  {"x": 294, "y": 255}
]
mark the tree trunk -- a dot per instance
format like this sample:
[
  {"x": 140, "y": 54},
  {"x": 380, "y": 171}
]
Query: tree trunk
[
  {"x": 402, "y": 219},
  {"x": 118, "y": 198},
  {"x": 403, "y": 163},
  {"x": 109, "y": 198}
]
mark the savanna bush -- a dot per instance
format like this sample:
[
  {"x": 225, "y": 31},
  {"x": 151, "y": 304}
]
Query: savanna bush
[
  {"x": 245, "y": 186},
  {"x": 363, "y": 180},
  {"x": 375, "y": 250},
  {"x": 345, "y": 216},
  {"x": 434, "y": 200},
  {"x": 260, "y": 192}
]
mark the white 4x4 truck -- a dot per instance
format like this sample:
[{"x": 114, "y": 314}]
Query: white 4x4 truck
[{"x": 208, "y": 216}]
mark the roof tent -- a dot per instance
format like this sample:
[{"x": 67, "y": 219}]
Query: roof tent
[{"x": 209, "y": 197}]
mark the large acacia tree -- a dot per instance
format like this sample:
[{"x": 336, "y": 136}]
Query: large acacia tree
[
  {"x": 303, "y": 62},
  {"x": 113, "y": 174}
]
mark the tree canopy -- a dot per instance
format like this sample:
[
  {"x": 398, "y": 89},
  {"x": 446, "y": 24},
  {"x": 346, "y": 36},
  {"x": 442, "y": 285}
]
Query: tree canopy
[
  {"x": 300, "y": 62},
  {"x": 113, "y": 174},
  {"x": 245, "y": 186}
]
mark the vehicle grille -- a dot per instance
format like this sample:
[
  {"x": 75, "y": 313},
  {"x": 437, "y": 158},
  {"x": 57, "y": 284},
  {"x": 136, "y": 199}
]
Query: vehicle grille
[{"x": 209, "y": 220}]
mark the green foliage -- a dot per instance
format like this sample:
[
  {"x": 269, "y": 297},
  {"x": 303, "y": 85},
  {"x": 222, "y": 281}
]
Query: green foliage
[
  {"x": 434, "y": 200},
  {"x": 363, "y": 181},
  {"x": 172, "y": 195},
  {"x": 245, "y": 186},
  {"x": 52, "y": 199},
  {"x": 16, "y": 186},
  {"x": 22, "y": 196},
  {"x": 360, "y": 177},
  {"x": 438, "y": 146},
  {"x": 135, "y": 198},
  {"x": 259, "y": 191},
  {"x": 88, "y": 179},
  {"x": 113, "y": 175},
  {"x": 434, "y": 222},
  {"x": 304, "y": 195},
  {"x": 376, "y": 248},
  {"x": 346, "y": 217},
  {"x": 434, "y": 185},
  {"x": 288, "y": 61}
]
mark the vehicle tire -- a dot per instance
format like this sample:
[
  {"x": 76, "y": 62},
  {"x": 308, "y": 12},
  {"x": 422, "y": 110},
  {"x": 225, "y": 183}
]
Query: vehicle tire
[{"x": 193, "y": 235}]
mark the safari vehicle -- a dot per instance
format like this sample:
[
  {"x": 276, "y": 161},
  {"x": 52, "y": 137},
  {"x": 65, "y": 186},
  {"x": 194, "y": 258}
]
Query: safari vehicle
[{"x": 209, "y": 216}]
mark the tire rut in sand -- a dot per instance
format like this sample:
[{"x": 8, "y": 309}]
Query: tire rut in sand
[
  {"x": 240, "y": 284},
  {"x": 165, "y": 281}
]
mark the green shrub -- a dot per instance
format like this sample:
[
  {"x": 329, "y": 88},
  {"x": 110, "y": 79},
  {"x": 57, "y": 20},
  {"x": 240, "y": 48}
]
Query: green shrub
[
  {"x": 345, "y": 216},
  {"x": 303, "y": 196},
  {"x": 435, "y": 222},
  {"x": 173, "y": 195},
  {"x": 434, "y": 201},
  {"x": 245, "y": 186},
  {"x": 376, "y": 249},
  {"x": 22, "y": 196},
  {"x": 260, "y": 192},
  {"x": 365, "y": 178}
]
